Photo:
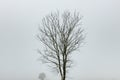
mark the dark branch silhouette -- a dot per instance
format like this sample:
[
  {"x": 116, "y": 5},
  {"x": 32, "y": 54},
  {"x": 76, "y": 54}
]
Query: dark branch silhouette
[{"x": 61, "y": 35}]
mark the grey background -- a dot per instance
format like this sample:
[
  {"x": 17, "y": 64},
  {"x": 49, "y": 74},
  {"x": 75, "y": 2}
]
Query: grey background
[{"x": 99, "y": 58}]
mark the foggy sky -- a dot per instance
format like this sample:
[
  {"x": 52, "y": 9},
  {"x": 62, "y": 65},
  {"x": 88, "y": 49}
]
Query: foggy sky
[{"x": 98, "y": 59}]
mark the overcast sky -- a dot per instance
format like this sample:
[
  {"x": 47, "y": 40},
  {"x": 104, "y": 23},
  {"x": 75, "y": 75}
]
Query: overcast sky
[{"x": 98, "y": 59}]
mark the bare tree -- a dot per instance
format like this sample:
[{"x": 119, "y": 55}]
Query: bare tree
[
  {"x": 42, "y": 76},
  {"x": 61, "y": 35}
]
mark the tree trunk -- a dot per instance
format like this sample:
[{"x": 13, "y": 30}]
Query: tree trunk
[{"x": 63, "y": 77}]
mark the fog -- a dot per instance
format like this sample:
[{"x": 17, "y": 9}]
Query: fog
[{"x": 99, "y": 58}]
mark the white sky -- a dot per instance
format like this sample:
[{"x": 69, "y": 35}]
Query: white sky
[{"x": 99, "y": 58}]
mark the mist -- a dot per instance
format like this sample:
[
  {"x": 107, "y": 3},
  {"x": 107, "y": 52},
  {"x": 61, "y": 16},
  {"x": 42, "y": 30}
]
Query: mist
[{"x": 99, "y": 58}]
